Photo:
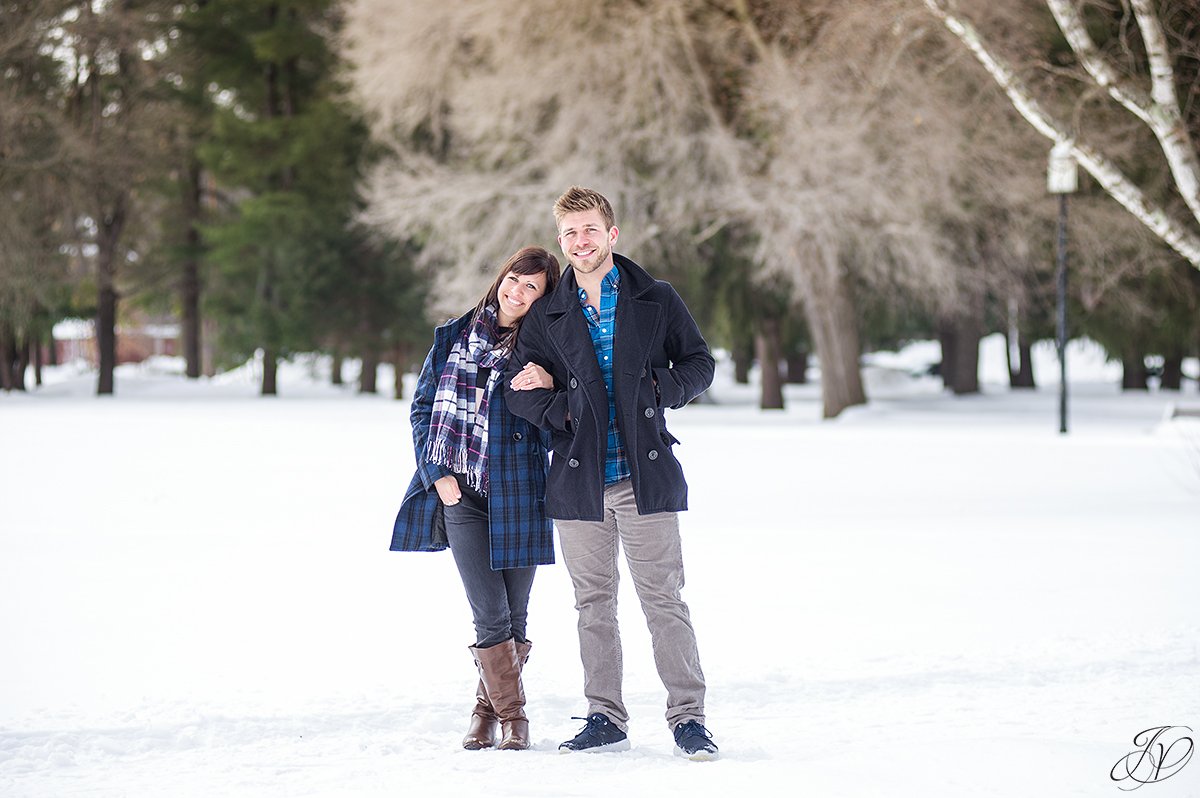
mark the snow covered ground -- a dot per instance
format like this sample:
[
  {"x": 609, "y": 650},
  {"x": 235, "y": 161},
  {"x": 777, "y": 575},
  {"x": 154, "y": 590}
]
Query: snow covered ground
[{"x": 930, "y": 596}]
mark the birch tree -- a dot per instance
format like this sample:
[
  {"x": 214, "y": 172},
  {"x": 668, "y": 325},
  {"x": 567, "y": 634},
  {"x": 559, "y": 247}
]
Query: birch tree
[{"x": 1175, "y": 217}]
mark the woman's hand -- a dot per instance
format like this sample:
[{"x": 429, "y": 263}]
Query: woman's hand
[
  {"x": 530, "y": 377},
  {"x": 448, "y": 490}
]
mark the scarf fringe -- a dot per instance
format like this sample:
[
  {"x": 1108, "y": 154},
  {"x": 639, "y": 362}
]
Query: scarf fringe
[
  {"x": 458, "y": 435},
  {"x": 457, "y": 458}
]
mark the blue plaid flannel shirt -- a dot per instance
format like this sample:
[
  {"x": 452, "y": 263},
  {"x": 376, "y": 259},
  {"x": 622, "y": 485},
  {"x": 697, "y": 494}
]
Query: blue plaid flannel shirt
[{"x": 602, "y": 325}]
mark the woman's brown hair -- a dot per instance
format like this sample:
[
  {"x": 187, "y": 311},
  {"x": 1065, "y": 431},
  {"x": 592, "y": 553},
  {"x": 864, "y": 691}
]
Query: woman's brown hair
[{"x": 525, "y": 261}]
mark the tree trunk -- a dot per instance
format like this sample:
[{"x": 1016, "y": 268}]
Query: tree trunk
[
  {"x": 370, "y": 372},
  {"x": 965, "y": 379},
  {"x": 106, "y": 336},
  {"x": 1133, "y": 374},
  {"x": 742, "y": 353},
  {"x": 191, "y": 317},
  {"x": 35, "y": 348},
  {"x": 6, "y": 360},
  {"x": 831, "y": 318},
  {"x": 1023, "y": 377},
  {"x": 767, "y": 347},
  {"x": 208, "y": 352},
  {"x": 1008, "y": 361},
  {"x": 1172, "y": 373},
  {"x": 398, "y": 370},
  {"x": 190, "y": 298},
  {"x": 270, "y": 372},
  {"x": 13, "y": 367},
  {"x": 401, "y": 356},
  {"x": 275, "y": 105},
  {"x": 948, "y": 339},
  {"x": 109, "y": 234},
  {"x": 52, "y": 354},
  {"x": 960, "y": 336},
  {"x": 21, "y": 364},
  {"x": 797, "y": 368},
  {"x": 335, "y": 369}
]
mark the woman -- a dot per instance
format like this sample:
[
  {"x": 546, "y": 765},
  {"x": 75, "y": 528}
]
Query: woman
[{"x": 479, "y": 487}]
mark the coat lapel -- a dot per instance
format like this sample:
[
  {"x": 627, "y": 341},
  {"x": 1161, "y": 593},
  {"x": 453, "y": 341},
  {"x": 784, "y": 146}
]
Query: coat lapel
[
  {"x": 569, "y": 334},
  {"x": 637, "y": 326},
  {"x": 637, "y": 319}
]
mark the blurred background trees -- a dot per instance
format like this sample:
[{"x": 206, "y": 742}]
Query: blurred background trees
[{"x": 818, "y": 178}]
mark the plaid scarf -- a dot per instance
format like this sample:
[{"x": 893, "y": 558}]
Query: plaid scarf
[{"x": 458, "y": 428}]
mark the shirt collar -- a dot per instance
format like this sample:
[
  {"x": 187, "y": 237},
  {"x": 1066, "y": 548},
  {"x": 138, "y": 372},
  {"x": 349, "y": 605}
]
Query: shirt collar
[{"x": 612, "y": 280}]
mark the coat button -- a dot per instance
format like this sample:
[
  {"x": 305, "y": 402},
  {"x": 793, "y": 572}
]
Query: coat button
[
  {"x": 649, "y": 412},
  {"x": 573, "y": 463},
  {"x": 653, "y": 454},
  {"x": 574, "y": 383},
  {"x": 518, "y": 436}
]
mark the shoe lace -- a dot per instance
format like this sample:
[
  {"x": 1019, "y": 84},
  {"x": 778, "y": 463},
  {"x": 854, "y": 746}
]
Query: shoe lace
[
  {"x": 693, "y": 727},
  {"x": 591, "y": 721}
]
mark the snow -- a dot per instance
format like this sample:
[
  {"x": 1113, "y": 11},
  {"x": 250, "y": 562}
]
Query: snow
[
  {"x": 74, "y": 329},
  {"x": 930, "y": 596}
]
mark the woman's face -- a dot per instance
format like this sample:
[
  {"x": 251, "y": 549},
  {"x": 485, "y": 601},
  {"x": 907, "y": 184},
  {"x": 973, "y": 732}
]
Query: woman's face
[{"x": 517, "y": 292}]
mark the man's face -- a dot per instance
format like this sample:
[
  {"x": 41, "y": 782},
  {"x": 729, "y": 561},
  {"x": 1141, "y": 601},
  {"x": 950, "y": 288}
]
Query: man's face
[{"x": 585, "y": 242}]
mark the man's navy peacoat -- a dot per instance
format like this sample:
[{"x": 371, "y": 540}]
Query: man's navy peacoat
[{"x": 656, "y": 341}]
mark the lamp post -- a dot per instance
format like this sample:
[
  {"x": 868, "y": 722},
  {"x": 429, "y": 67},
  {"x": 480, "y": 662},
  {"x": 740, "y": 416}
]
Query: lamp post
[{"x": 1062, "y": 178}]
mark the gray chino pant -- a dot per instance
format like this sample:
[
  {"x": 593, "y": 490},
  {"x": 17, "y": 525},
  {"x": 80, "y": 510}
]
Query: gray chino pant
[{"x": 655, "y": 559}]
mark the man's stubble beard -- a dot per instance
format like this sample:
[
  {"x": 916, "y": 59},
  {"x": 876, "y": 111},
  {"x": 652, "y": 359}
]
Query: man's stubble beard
[{"x": 601, "y": 256}]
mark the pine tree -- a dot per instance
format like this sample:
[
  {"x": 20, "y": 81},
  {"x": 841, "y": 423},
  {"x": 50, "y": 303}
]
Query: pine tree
[
  {"x": 33, "y": 206},
  {"x": 286, "y": 147}
]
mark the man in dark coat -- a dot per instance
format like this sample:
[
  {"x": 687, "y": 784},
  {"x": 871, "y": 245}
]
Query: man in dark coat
[{"x": 621, "y": 348}]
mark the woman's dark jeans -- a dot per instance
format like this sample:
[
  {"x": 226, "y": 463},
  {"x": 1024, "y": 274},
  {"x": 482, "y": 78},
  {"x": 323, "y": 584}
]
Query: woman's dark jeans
[{"x": 499, "y": 599}]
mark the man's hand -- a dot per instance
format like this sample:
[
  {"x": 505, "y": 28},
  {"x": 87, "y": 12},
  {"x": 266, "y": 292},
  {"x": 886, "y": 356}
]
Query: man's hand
[
  {"x": 448, "y": 490},
  {"x": 530, "y": 377}
]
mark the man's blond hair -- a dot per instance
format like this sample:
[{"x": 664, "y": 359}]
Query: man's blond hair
[{"x": 577, "y": 198}]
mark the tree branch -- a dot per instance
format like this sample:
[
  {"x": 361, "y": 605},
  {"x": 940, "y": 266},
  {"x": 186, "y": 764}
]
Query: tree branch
[
  {"x": 1159, "y": 110},
  {"x": 1176, "y": 142},
  {"x": 1125, "y": 92},
  {"x": 1120, "y": 187}
]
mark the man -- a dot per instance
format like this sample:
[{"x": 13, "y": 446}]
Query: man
[{"x": 620, "y": 347}]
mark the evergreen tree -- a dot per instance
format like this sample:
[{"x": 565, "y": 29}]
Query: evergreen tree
[
  {"x": 287, "y": 146},
  {"x": 186, "y": 79},
  {"x": 375, "y": 307},
  {"x": 33, "y": 207}
]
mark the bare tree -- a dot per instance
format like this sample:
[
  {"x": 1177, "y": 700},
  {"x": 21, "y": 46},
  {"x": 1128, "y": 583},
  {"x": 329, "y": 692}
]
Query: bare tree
[
  {"x": 108, "y": 120},
  {"x": 486, "y": 134},
  {"x": 818, "y": 126}
]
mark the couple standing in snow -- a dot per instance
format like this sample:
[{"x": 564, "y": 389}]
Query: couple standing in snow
[{"x": 588, "y": 371}]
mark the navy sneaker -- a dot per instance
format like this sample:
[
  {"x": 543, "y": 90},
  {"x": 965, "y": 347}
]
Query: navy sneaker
[
  {"x": 695, "y": 742},
  {"x": 600, "y": 734}
]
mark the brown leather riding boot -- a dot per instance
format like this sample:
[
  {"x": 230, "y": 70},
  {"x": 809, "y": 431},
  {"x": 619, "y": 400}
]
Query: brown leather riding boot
[
  {"x": 481, "y": 733},
  {"x": 523, "y": 653},
  {"x": 500, "y": 670}
]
